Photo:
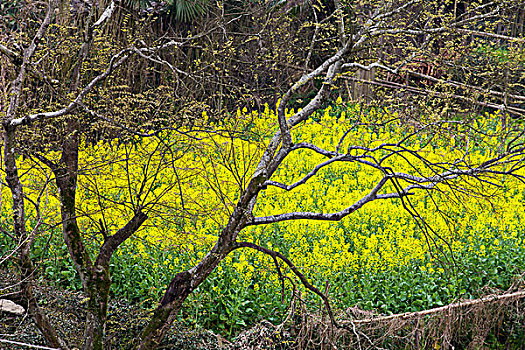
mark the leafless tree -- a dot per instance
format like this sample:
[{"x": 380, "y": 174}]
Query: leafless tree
[{"x": 413, "y": 31}]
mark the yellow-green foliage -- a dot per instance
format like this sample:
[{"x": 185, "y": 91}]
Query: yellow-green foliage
[{"x": 190, "y": 185}]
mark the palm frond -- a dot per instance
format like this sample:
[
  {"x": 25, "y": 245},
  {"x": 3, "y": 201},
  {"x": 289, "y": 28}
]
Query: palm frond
[{"x": 188, "y": 10}]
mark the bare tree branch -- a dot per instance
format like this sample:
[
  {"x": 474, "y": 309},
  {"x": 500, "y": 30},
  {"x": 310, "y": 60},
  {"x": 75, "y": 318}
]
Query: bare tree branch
[
  {"x": 295, "y": 270},
  {"x": 111, "y": 243}
]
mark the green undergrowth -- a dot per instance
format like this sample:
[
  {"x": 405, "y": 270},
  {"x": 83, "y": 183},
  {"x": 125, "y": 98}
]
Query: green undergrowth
[{"x": 225, "y": 306}]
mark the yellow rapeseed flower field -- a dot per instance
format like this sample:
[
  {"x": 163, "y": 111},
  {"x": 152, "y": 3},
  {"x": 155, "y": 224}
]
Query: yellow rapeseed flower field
[{"x": 189, "y": 185}]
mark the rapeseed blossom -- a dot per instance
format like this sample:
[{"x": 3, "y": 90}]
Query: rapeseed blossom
[{"x": 189, "y": 188}]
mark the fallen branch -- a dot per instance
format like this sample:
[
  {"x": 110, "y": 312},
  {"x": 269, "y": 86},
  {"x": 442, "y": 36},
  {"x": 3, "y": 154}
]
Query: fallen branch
[{"x": 407, "y": 315}]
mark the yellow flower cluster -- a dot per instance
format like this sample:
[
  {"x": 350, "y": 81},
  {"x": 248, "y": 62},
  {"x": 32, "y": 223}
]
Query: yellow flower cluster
[{"x": 189, "y": 186}]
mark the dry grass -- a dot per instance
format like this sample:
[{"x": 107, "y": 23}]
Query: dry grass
[{"x": 495, "y": 321}]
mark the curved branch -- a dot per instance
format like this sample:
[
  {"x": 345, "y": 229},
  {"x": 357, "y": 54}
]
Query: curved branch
[
  {"x": 113, "y": 242},
  {"x": 305, "y": 145},
  {"x": 115, "y": 62},
  {"x": 307, "y": 177},
  {"x": 295, "y": 270},
  {"x": 325, "y": 216},
  {"x": 105, "y": 15}
]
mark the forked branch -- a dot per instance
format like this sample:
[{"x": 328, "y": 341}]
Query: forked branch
[{"x": 295, "y": 270}]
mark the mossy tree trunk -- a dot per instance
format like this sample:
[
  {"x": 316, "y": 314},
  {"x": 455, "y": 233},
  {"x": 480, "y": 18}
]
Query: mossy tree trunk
[
  {"x": 95, "y": 276},
  {"x": 98, "y": 292},
  {"x": 181, "y": 286}
]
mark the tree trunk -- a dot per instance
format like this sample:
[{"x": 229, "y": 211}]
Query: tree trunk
[
  {"x": 165, "y": 314},
  {"x": 66, "y": 179},
  {"x": 95, "y": 279},
  {"x": 24, "y": 259},
  {"x": 98, "y": 293},
  {"x": 182, "y": 285}
]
